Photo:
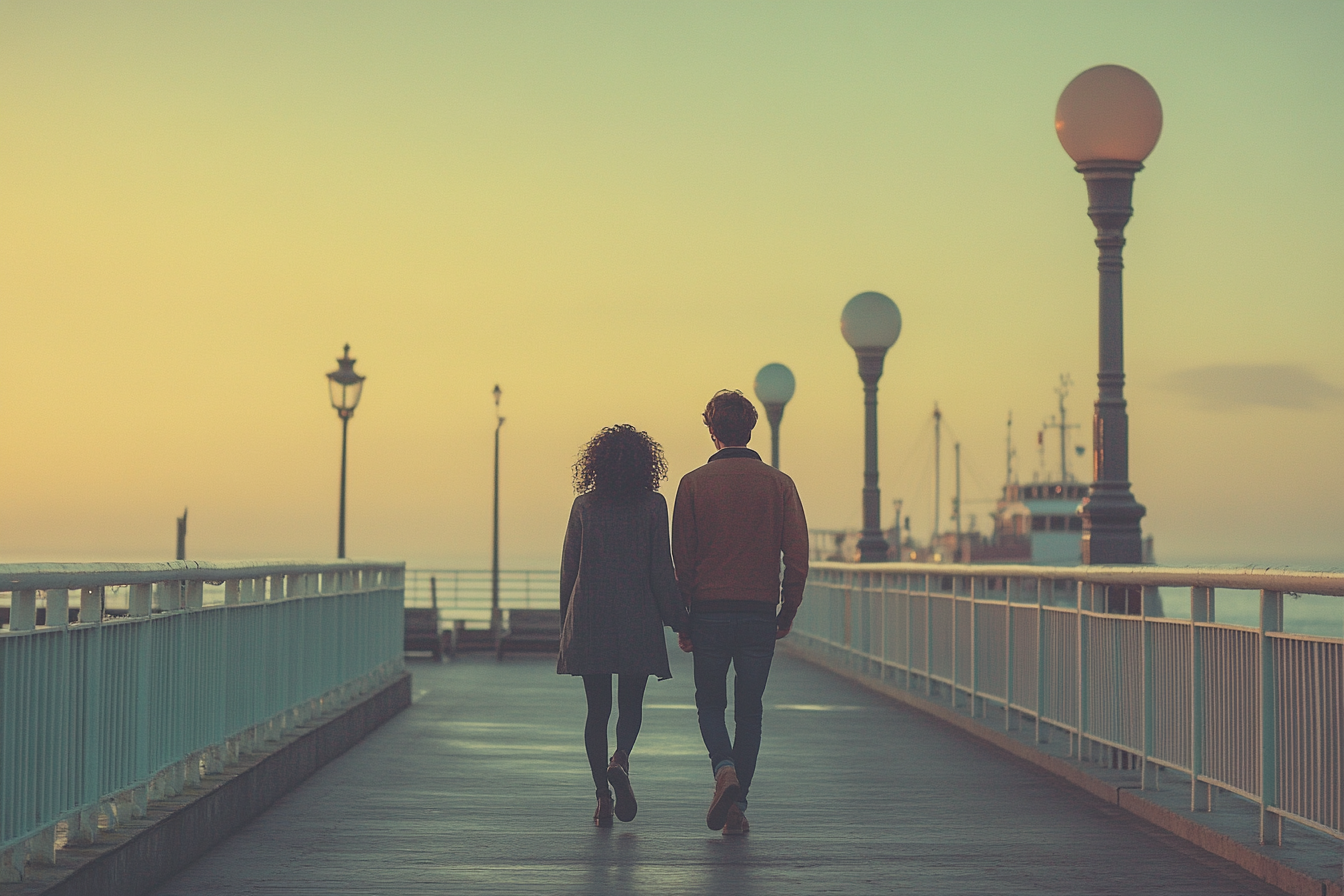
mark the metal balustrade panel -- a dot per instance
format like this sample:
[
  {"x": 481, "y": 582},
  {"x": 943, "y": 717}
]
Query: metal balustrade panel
[
  {"x": 895, "y": 628},
  {"x": 1114, "y": 674},
  {"x": 1231, "y": 684},
  {"x": 1060, "y": 630},
  {"x": 965, "y": 646},
  {"x": 1310, "y": 677},
  {"x": 864, "y": 612},
  {"x": 92, "y": 710},
  {"x": 940, "y": 636},
  {"x": 1203, "y": 678},
  {"x": 919, "y": 619},
  {"x": 1025, "y": 666},
  {"x": 991, "y": 654},
  {"x": 1172, "y": 704}
]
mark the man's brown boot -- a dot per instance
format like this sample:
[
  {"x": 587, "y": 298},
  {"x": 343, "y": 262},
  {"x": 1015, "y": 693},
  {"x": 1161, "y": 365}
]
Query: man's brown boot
[
  {"x": 618, "y": 774},
  {"x": 726, "y": 792},
  {"x": 736, "y": 824}
]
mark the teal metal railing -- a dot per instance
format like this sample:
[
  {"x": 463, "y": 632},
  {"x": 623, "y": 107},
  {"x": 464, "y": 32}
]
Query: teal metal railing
[
  {"x": 1226, "y": 680},
  {"x": 168, "y": 670}
]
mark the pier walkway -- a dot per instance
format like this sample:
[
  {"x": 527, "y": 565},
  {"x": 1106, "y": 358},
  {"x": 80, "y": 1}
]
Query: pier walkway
[{"x": 481, "y": 787}]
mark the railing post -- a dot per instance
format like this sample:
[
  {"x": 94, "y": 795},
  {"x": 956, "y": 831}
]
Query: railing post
[
  {"x": 977, "y": 706},
  {"x": 928, "y": 635},
  {"x": 1011, "y": 588},
  {"x": 1083, "y": 588},
  {"x": 195, "y": 595},
  {"x": 91, "y": 606},
  {"x": 88, "y": 761},
  {"x": 232, "y": 587},
  {"x": 1149, "y": 770},
  {"x": 277, "y": 591},
  {"x": 1040, "y": 664},
  {"x": 58, "y": 607},
  {"x": 1271, "y": 620},
  {"x": 909, "y": 632},
  {"x": 956, "y": 643},
  {"x": 882, "y": 628},
  {"x": 1201, "y": 610},
  {"x": 140, "y": 600},
  {"x": 23, "y": 610}
]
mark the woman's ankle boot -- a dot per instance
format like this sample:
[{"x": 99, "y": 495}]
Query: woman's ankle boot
[
  {"x": 618, "y": 774},
  {"x": 602, "y": 816}
]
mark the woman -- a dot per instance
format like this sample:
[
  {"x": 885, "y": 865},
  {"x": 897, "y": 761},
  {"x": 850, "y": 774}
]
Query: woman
[{"x": 617, "y": 591}]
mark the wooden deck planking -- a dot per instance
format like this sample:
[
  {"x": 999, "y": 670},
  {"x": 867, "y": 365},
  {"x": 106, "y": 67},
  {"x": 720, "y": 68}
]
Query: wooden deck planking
[{"x": 481, "y": 788}]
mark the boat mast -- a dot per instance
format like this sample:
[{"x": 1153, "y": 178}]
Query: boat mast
[
  {"x": 1062, "y": 390},
  {"x": 1060, "y": 423},
  {"x": 956, "y": 505},
  {"x": 937, "y": 468},
  {"x": 1008, "y": 479}
]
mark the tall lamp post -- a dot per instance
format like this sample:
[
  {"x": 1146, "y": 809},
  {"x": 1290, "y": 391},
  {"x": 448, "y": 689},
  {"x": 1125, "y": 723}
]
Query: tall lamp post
[
  {"x": 870, "y": 323},
  {"x": 774, "y": 387},
  {"x": 1108, "y": 120},
  {"x": 495, "y": 615},
  {"x": 346, "y": 387}
]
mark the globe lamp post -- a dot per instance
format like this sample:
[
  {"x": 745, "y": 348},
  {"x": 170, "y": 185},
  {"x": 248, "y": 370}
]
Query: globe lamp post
[
  {"x": 1108, "y": 120},
  {"x": 870, "y": 323},
  {"x": 346, "y": 386},
  {"x": 774, "y": 387}
]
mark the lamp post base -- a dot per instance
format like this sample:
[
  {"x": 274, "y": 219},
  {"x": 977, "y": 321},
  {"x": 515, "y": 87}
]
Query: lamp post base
[
  {"x": 1111, "y": 532},
  {"x": 873, "y": 549}
]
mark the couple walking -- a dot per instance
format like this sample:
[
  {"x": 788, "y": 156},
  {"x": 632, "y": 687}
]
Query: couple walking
[{"x": 733, "y": 519}]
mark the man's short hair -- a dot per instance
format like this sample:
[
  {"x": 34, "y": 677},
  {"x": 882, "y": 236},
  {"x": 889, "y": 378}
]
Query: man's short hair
[{"x": 730, "y": 416}]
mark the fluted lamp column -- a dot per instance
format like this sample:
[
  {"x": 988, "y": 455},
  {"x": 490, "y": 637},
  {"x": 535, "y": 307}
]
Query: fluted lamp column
[
  {"x": 871, "y": 323},
  {"x": 774, "y": 387},
  {"x": 1108, "y": 120}
]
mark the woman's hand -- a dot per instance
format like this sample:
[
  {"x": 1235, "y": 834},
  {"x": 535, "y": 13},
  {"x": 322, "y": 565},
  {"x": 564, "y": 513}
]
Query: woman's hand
[{"x": 684, "y": 642}]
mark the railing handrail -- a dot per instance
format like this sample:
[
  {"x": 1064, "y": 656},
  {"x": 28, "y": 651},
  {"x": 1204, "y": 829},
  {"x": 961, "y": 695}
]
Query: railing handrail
[
  {"x": 1249, "y": 578},
  {"x": 44, "y": 576}
]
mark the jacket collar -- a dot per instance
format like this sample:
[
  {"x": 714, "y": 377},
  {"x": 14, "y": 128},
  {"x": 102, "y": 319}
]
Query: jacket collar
[{"x": 723, "y": 453}]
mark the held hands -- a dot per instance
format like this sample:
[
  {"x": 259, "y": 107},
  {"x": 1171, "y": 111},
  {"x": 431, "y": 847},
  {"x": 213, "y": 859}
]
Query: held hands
[{"x": 684, "y": 642}]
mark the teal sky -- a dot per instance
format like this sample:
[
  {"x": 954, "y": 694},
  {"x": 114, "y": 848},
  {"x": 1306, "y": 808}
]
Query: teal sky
[{"x": 614, "y": 209}]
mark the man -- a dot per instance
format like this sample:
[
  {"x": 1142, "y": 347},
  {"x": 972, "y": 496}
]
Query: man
[{"x": 733, "y": 519}]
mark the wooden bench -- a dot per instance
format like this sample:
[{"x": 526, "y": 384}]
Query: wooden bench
[
  {"x": 534, "y": 630},
  {"x": 422, "y": 631},
  {"x": 422, "y": 626}
]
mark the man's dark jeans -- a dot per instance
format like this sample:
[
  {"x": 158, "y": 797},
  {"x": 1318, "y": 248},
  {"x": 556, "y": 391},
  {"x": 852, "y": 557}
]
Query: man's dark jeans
[{"x": 747, "y": 642}]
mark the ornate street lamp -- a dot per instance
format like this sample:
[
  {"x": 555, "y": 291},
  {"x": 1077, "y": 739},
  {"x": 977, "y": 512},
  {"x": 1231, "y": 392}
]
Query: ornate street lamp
[
  {"x": 346, "y": 387},
  {"x": 870, "y": 323},
  {"x": 774, "y": 387},
  {"x": 1108, "y": 120},
  {"x": 496, "y": 617}
]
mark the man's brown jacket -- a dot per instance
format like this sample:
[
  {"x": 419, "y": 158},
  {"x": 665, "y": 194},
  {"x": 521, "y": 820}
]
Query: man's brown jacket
[{"x": 733, "y": 519}]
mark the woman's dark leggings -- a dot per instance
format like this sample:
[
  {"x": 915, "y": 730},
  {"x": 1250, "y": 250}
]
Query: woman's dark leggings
[{"x": 630, "y": 703}]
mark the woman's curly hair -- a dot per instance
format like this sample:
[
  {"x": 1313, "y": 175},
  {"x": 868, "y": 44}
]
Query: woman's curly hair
[{"x": 619, "y": 461}]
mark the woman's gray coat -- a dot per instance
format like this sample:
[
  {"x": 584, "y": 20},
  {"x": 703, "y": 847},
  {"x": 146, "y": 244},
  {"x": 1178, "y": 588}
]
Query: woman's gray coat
[{"x": 617, "y": 588}]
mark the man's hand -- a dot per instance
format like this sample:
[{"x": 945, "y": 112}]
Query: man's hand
[
  {"x": 781, "y": 632},
  {"x": 684, "y": 642}
]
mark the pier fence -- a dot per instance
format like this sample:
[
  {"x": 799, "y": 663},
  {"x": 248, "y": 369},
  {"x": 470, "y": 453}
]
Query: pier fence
[
  {"x": 1111, "y": 658},
  {"x": 121, "y": 683}
]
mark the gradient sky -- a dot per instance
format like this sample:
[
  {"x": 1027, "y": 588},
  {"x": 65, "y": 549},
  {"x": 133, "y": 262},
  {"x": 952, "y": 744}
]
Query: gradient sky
[{"x": 613, "y": 210}]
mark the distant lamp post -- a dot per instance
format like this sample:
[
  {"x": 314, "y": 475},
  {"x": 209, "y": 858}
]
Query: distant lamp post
[
  {"x": 346, "y": 387},
  {"x": 496, "y": 618},
  {"x": 774, "y": 387},
  {"x": 871, "y": 323},
  {"x": 1109, "y": 119}
]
